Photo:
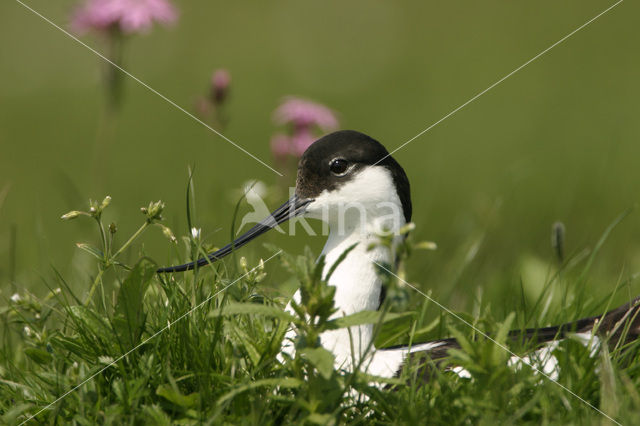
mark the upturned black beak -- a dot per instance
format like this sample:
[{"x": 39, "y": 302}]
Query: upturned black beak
[{"x": 295, "y": 206}]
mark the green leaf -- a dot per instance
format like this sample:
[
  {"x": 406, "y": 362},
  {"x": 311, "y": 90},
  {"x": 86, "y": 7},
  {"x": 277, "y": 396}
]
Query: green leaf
[
  {"x": 91, "y": 250},
  {"x": 174, "y": 396},
  {"x": 252, "y": 308},
  {"x": 38, "y": 355},
  {"x": 154, "y": 415},
  {"x": 499, "y": 354},
  {"x": 70, "y": 344},
  {"x": 320, "y": 419},
  {"x": 90, "y": 321},
  {"x": 427, "y": 328},
  {"x": 610, "y": 402},
  {"x": 129, "y": 318},
  {"x": 397, "y": 330},
  {"x": 321, "y": 359},
  {"x": 464, "y": 343},
  {"x": 16, "y": 414},
  {"x": 247, "y": 345},
  {"x": 283, "y": 382},
  {"x": 364, "y": 317}
]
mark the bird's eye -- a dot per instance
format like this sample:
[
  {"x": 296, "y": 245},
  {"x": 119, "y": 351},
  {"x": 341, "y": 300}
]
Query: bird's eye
[{"x": 339, "y": 166}]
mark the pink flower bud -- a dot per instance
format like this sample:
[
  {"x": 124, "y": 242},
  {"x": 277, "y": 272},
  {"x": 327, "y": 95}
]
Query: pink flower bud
[{"x": 220, "y": 81}]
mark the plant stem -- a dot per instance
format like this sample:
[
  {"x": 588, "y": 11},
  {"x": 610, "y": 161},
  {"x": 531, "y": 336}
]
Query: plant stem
[
  {"x": 104, "y": 239},
  {"x": 94, "y": 285},
  {"x": 130, "y": 240}
]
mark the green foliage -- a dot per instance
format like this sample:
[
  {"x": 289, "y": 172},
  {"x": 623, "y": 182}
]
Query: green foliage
[
  {"x": 179, "y": 350},
  {"x": 129, "y": 318}
]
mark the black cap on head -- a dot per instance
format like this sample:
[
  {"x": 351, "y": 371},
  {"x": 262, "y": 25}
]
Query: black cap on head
[{"x": 351, "y": 150}]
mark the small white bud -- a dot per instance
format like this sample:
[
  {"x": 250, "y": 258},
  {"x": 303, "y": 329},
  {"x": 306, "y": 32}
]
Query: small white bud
[
  {"x": 426, "y": 245},
  {"x": 105, "y": 202},
  {"x": 195, "y": 233},
  {"x": 168, "y": 233},
  {"x": 408, "y": 228},
  {"x": 71, "y": 215}
]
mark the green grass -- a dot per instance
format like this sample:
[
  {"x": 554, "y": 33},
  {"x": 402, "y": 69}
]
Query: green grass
[
  {"x": 555, "y": 142},
  {"x": 200, "y": 348}
]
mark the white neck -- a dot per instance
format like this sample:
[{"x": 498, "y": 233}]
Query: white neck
[
  {"x": 356, "y": 214},
  {"x": 358, "y": 288}
]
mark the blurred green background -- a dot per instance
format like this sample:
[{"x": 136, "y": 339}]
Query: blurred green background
[{"x": 558, "y": 141}]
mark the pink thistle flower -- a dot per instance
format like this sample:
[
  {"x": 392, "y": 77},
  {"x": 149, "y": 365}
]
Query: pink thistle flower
[
  {"x": 304, "y": 113},
  {"x": 130, "y": 16},
  {"x": 306, "y": 121}
]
